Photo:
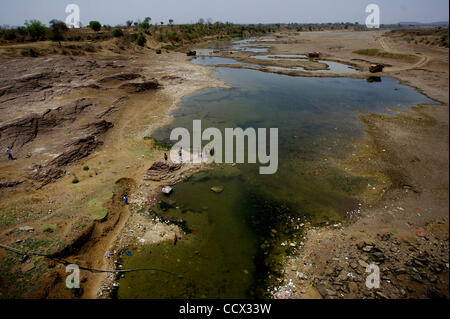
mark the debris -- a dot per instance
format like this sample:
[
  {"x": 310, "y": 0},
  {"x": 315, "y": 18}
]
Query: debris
[
  {"x": 167, "y": 190},
  {"x": 217, "y": 189}
]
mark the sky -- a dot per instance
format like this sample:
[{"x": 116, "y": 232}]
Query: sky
[{"x": 113, "y": 12}]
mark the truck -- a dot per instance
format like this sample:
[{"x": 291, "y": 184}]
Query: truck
[{"x": 374, "y": 68}]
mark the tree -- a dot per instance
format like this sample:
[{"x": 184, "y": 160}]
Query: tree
[
  {"x": 147, "y": 19},
  {"x": 129, "y": 23},
  {"x": 95, "y": 25},
  {"x": 117, "y": 33},
  {"x": 170, "y": 21},
  {"x": 145, "y": 25},
  {"x": 57, "y": 30},
  {"x": 141, "y": 40},
  {"x": 162, "y": 23},
  {"x": 36, "y": 29}
]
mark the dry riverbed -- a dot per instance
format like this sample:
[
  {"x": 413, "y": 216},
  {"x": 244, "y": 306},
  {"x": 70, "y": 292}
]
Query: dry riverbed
[{"x": 118, "y": 100}]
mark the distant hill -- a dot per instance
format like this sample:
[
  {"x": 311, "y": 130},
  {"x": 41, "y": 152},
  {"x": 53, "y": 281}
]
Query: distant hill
[{"x": 420, "y": 24}]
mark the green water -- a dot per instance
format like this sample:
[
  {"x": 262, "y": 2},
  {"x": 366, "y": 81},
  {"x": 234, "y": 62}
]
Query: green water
[{"x": 240, "y": 236}]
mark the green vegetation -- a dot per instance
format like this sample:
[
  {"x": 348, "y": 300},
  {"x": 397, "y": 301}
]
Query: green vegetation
[
  {"x": 36, "y": 29},
  {"x": 57, "y": 31},
  {"x": 145, "y": 25},
  {"x": 96, "y": 210},
  {"x": 85, "y": 168},
  {"x": 141, "y": 40},
  {"x": 117, "y": 33},
  {"x": 95, "y": 25},
  {"x": 75, "y": 181}
]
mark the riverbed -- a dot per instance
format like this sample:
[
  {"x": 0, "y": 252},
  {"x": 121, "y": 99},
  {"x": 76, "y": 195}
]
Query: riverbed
[{"x": 236, "y": 240}]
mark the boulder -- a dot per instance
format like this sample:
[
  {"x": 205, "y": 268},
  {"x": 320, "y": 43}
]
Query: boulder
[{"x": 217, "y": 189}]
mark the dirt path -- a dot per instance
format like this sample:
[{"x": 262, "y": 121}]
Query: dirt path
[{"x": 423, "y": 59}]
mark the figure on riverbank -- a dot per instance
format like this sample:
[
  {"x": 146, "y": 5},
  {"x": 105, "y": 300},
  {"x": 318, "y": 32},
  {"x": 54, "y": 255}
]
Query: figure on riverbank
[
  {"x": 125, "y": 200},
  {"x": 180, "y": 154},
  {"x": 165, "y": 157},
  {"x": 8, "y": 151}
]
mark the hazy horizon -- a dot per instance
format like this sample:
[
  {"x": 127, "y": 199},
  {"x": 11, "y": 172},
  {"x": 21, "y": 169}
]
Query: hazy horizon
[{"x": 114, "y": 12}]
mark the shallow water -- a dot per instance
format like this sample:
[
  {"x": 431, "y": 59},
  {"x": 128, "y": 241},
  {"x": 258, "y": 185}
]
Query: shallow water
[
  {"x": 241, "y": 235},
  {"x": 332, "y": 67}
]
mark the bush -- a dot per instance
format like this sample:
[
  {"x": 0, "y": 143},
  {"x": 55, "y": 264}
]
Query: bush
[
  {"x": 95, "y": 25},
  {"x": 86, "y": 168},
  {"x": 145, "y": 25},
  {"x": 117, "y": 33},
  {"x": 141, "y": 40},
  {"x": 57, "y": 28},
  {"x": 75, "y": 181},
  {"x": 36, "y": 30}
]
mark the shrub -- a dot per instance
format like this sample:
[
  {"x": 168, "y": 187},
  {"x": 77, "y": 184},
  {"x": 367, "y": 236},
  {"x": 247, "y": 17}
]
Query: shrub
[
  {"x": 57, "y": 30},
  {"x": 141, "y": 40},
  {"x": 85, "y": 168},
  {"x": 75, "y": 181},
  {"x": 95, "y": 25},
  {"x": 36, "y": 29},
  {"x": 145, "y": 25},
  {"x": 117, "y": 33}
]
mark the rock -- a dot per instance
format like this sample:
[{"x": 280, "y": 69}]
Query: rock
[
  {"x": 380, "y": 294},
  {"x": 161, "y": 170},
  {"x": 322, "y": 290},
  {"x": 400, "y": 271},
  {"x": 367, "y": 248},
  {"x": 120, "y": 77},
  {"x": 352, "y": 287},
  {"x": 362, "y": 263},
  {"x": 140, "y": 85},
  {"x": 378, "y": 256},
  {"x": 27, "y": 267},
  {"x": 5, "y": 183},
  {"x": 217, "y": 189},
  {"x": 26, "y": 228},
  {"x": 167, "y": 190}
]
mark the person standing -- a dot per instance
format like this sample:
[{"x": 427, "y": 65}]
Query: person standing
[
  {"x": 8, "y": 151},
  {"x": 165, "y": 157},
  {"x": 125, "y": 200},
  {"x": 180, "y": 154}
]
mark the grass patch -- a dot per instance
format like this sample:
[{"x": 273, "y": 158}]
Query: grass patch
[
  {"x": 385, "y": 54},
  {"x": 96, "y": 210}
]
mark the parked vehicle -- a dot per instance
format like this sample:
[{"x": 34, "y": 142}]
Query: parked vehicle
[
  {"x": 314, "y": 54},
  {"x": 374, "y": 68},
  {"x": 158, "y": 51},
  {"x": 191, "y": 53}
]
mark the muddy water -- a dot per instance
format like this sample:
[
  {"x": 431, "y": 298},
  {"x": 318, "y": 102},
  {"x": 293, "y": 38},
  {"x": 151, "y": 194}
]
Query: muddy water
[{"x": 235, "y": 240}]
